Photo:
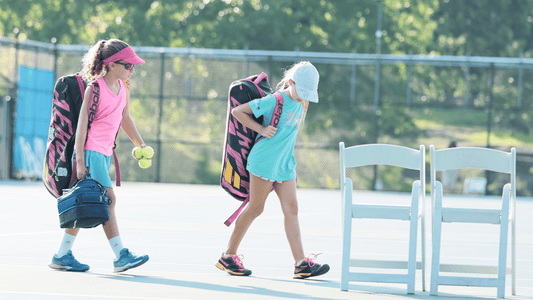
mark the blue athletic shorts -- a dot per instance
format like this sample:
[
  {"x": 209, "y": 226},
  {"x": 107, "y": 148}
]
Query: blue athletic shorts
[{"x": 98, "y": 165}]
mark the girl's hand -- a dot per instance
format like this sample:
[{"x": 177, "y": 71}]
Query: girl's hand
[
  {"x": 81, "y": 170},
  {"x": 268, "y": 131}
]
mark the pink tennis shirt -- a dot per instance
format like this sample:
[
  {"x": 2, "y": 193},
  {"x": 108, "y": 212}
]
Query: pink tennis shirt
[{"x": 106, "y": 121}]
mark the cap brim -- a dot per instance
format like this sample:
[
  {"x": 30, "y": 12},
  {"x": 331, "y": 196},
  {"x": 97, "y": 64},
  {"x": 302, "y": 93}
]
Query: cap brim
[
  {"x": 134, "y": 60},
  {"x": 127, "y": 54},
  {"x": 311, "y": 96}
]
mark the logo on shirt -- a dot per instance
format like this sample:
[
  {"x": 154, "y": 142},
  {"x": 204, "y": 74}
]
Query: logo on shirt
[
  {"x": 95, "y": 98},
  {"x": 293, "y": 119},
  {"x": 257, "y": 106}
]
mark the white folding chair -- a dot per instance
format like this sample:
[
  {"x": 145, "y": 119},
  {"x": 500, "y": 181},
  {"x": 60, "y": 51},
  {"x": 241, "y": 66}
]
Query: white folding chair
[
  {"x": 381, "y": 154},
  {"x": 477, "y": 158}
]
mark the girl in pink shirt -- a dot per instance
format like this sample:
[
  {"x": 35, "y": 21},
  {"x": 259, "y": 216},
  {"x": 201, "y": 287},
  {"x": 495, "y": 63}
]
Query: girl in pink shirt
[{"x": 110, "y": 64}]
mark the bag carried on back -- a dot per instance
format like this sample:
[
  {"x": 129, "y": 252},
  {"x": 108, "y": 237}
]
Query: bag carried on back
[
  {"x": 59, "y": 172},
  {"x": 59, "y": 169},
  {"x": 239, "y": 140}
]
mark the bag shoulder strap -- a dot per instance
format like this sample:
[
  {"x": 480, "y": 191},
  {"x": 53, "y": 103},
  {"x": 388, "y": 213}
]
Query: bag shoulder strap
[
  {"x": 276, "y": 115},
  {"x": 94, "y": 100}
]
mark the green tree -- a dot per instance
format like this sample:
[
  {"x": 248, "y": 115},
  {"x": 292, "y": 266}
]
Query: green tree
[{"x": 483, "y": 28}]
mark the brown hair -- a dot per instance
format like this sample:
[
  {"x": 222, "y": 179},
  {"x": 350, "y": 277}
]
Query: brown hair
[{"x": 93, "y": 60}]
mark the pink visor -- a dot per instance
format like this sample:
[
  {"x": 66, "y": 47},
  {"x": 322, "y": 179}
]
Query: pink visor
[{"x": 127, "y": 54}]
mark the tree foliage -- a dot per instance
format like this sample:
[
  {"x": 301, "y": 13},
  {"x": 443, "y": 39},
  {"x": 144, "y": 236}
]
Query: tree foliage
[
  {"x": 484, "y": 28},
  {"x": 441, "y": 27},
  {"x": 445, "y": 27},
  {"x": 309, "y": 25}
]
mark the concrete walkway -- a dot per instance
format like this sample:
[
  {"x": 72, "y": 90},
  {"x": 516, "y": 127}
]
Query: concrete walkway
[{"x": 181, "y": 228}]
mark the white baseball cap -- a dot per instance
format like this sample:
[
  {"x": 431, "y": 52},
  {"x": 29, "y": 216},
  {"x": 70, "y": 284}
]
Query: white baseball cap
[{"x": 306, "y": 79}]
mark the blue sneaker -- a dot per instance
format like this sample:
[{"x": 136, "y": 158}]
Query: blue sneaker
[
  {"x": 128, "y": 260},
  {"x": 68, "y": 263}
]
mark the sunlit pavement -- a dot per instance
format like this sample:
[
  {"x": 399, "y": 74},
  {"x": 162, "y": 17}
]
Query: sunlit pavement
[{"x": 181, "y": 228}]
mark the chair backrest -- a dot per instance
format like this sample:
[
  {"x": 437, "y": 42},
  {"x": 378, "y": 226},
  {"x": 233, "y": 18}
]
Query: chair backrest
[
  {"x": 473, "y": 158},
  {"x": 383, "y": 154}
]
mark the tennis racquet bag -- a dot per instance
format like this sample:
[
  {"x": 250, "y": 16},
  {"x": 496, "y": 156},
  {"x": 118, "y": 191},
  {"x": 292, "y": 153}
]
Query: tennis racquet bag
[
  {"x": 239, "y": 140},
  {"x": 85, "y": 205},
  {"x": 59, "y": 173}
]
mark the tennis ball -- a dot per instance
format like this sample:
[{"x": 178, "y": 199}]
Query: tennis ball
[
  {"x": 137, "y": 153},
  {"x": 148, "y": 152},
  {"x": 145, "y": 163}
]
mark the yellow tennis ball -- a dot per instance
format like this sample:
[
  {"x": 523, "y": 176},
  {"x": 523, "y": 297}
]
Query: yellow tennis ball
[
  {"x": 148, "y": 152},
  {"x": 137, "y": 153},
  {"x": 145, "y": 163}
]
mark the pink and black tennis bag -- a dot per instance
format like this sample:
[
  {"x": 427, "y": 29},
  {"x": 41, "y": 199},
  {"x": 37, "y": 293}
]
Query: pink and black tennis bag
[
  {"x": 239, "y": 140},
  {"x": 58, "y": 173}
]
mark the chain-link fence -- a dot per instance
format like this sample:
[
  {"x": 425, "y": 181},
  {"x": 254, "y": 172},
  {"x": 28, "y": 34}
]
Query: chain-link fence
[{"x": 179, "y": 104}]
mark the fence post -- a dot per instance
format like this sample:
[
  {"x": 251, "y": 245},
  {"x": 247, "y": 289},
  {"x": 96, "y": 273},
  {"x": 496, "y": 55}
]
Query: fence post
[
  {"x": 520, "y": 80},
  {"x": 376, "y": 90},
  {"x": 188, "y": 87},
  {"x": 160, "y": 118},
  {"x": 245, "y": 63},
  {"x": 12, "y": 109},
  {"x": 5, "y": 164},
  {"x": 354, "y": 79},
  {"x": 489, "y": 113},
  {"x": 467, "y": 79},
  {"x": 409, "y": 78},
  {"x": 56, "y": 52},
  {"x": 269, "y": 68},
  {"x": 489, "y": 121}
]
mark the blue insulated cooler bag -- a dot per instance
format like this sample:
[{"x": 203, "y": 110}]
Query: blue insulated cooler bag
[{"x": 84, "y": 205}]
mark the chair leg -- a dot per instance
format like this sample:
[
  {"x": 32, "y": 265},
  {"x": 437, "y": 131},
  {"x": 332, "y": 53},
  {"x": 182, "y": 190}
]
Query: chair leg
[
  {"x": 423, "y": 250},
  {"x": 346, "y": 241},
  {"x": 504, "y": 234},
  {"x": 346, "y": 248},
  {"x": 435, "y": 256},
  {"x": 413, "y": 231},
  {"x": 513, "y": 252}
]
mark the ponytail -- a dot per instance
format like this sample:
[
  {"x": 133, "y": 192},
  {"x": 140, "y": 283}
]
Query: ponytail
[{"x": 92, "y": 62}]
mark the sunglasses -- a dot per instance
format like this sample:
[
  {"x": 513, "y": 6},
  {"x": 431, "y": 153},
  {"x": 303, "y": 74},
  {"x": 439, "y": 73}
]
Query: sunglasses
[{"x": 127, "y": 66}]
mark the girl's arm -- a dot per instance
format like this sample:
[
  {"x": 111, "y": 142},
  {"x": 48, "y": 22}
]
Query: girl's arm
[
  {"x": 81, "y": 135},
  {"x": 243, "y": 113},
  {"x": 129, "y": 127}
]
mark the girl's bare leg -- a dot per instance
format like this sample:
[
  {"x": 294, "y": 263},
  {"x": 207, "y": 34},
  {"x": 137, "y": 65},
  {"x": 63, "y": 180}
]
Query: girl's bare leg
[
  {"x": 287, "y": 195},
  {"x": 259, "y": 190},
  {"x": 111, "y": 226}
]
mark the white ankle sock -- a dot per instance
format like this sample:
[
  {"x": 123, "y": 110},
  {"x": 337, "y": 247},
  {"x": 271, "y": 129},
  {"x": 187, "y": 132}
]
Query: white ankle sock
[
  {"x": 66, "y": 244},
  {"x": 116, "y": 245}
]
